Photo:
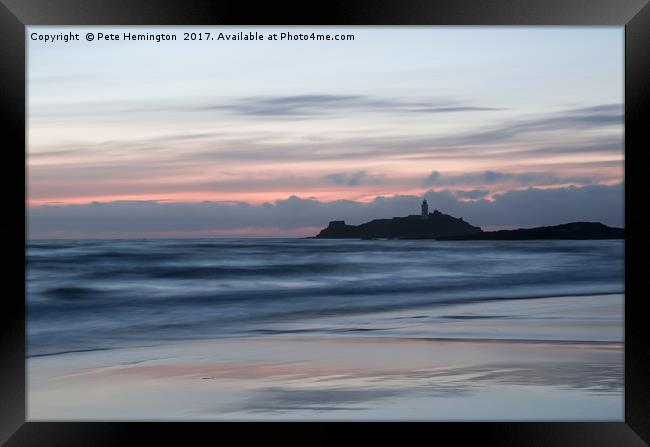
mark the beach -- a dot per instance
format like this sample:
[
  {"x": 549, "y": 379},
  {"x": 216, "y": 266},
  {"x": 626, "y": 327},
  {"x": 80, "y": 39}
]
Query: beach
[{"x": 555, "y": 358}]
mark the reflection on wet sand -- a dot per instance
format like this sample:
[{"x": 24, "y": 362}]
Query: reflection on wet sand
[{"x": 336, "y": 378}]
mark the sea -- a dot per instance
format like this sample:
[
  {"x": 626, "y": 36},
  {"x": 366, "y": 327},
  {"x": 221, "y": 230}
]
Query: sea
[{"x": 93, "y": 295}]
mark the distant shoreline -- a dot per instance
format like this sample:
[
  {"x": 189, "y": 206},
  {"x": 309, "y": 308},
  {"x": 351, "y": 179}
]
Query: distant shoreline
[
  {"x": 570, "y": 231},
  {"x": 297, "y": 238},
  {"x": 396, "y": 229}
]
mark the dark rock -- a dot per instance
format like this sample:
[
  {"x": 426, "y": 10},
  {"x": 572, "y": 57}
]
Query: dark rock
[
  {"x": 569, "y": 231},
  {"x": 435, "y": 225}
]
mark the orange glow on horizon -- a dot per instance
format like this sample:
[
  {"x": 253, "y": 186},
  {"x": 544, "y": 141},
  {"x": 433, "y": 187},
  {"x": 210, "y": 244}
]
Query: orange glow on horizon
[
  {"x": 258, "y": 198},
  {"x": 253, "y": 198}
]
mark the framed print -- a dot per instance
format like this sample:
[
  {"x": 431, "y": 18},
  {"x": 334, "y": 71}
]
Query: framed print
[{"x": 422, "y": 212}]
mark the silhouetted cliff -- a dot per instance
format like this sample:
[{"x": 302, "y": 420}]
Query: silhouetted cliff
[
  {"x": 574, "y": 230},
  {"x": 435, "y": 225}
]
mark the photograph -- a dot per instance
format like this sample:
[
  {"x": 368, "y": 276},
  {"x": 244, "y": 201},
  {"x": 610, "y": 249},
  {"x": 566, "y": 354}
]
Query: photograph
[{"x": 325, "y": 223}]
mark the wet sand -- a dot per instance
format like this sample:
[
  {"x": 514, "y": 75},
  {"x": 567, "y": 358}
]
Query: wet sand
[{"x": 544, "y": 359}]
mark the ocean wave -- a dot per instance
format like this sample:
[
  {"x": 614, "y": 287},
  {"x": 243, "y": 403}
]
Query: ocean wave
[{"x": 86, "y": 295}]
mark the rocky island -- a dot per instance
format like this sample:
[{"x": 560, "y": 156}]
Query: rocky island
[
  {"x": 569, "y": 231},
  {"x": 444, "y": 227},
  {"x": 416, "y": 226}
]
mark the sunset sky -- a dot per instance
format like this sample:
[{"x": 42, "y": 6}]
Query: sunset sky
[{"x": 505, "y": 126}]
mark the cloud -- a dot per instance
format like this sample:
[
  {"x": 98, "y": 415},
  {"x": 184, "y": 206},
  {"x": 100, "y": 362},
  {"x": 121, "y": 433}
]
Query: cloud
[
  {"x": 353, "y": 179},
  {"x": 473, "y": 194},
  {"x": 526, "y": 207},
  {"x": 313, "y": 105},
  {"x": 309, "y": 105},
  {"x": 576, "y": 131},
  {"x": 495, "y": 177},
  {"x": 586, "y": 117},
  {"x": 454, "y": 109},
  {"x": 215, "y": 161},
  {"x": 567, "y": 132},
  {"x": 582, "y": 119},
  {"x": 346, "y": 179},
  {"x": 611, "y": 144},
  {"x": 288, "y": 105}
]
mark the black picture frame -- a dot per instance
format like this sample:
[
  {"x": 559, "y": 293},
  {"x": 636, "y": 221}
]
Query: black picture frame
[{"x": 15, "y": 15}]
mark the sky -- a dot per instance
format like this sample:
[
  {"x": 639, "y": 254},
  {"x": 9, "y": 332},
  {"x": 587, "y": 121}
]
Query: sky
[{"x": 504, "y": 126}]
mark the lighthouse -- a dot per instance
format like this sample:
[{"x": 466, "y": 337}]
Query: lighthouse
[{"x": 425, "y": 209}]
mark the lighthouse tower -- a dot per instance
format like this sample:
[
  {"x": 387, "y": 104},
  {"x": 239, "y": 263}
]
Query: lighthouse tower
[{"x": 425, "y": 209}]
